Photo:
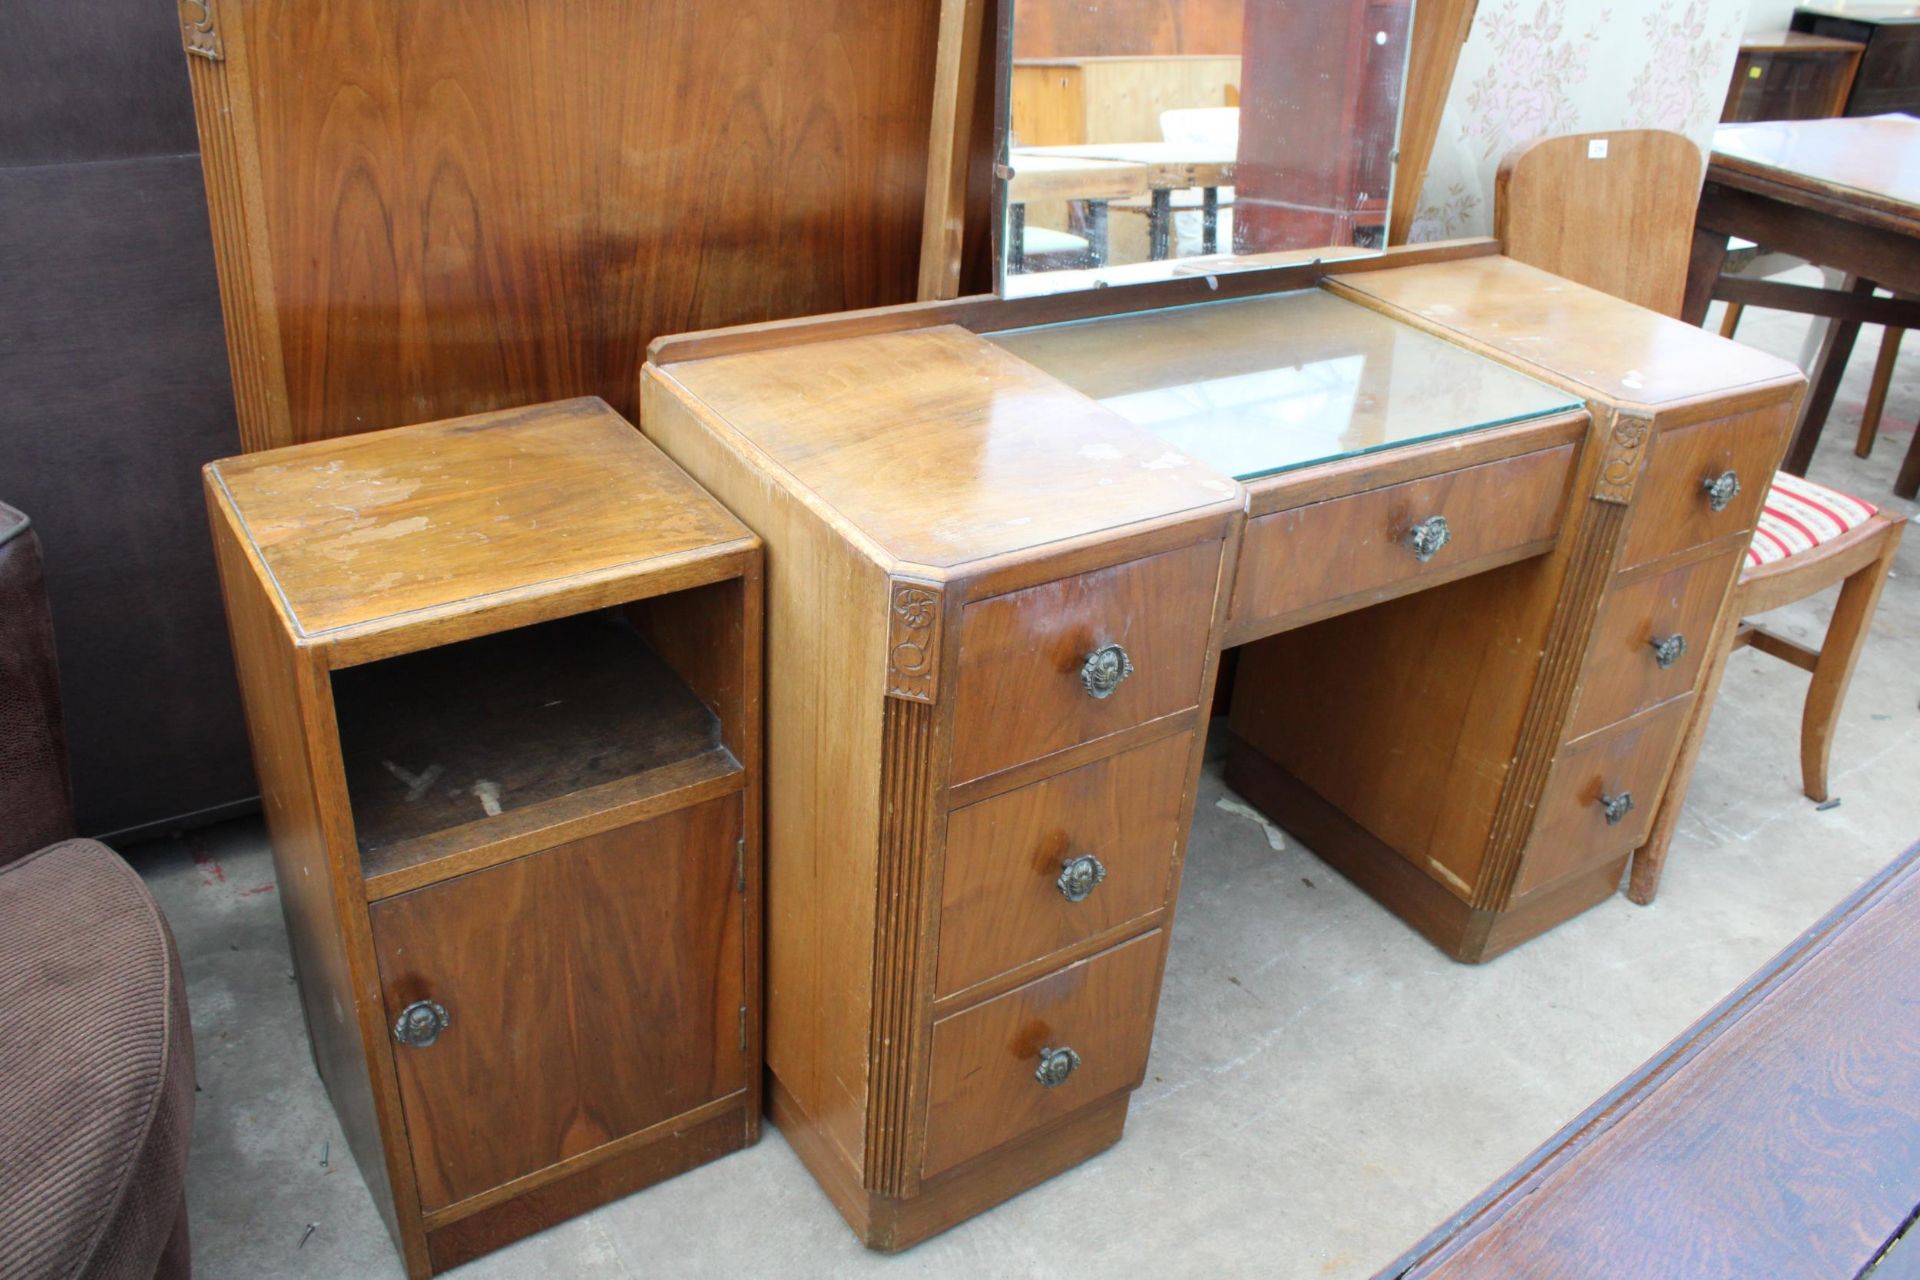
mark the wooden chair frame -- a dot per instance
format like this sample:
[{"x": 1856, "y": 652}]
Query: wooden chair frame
[{"x": 1860, "y": 559}]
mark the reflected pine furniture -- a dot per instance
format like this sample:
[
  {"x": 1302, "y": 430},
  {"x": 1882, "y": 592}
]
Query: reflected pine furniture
[
  {"x": 502, "y": 679},
  {"x": 1471, "y": 521}
]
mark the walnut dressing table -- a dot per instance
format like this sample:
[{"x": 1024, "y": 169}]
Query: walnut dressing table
[{"x": 1473, "y": 524}]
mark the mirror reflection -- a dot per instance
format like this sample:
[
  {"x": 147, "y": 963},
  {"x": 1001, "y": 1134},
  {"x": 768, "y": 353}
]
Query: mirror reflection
[{"x": 1148, "y": 137}]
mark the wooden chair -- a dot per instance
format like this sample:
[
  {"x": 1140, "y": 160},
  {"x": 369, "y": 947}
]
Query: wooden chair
[{"x": 1619, "y": 218}]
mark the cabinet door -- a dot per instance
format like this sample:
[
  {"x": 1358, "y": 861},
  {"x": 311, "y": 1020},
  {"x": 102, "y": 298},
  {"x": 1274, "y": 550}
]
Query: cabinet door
[{"x": 591, "y": 991}]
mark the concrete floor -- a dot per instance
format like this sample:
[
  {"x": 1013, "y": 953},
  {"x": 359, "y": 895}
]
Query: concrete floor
[{"x": 1324, "y": 1086}]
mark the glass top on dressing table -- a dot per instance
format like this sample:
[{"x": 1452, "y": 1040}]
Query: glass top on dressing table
[{"x": 1257, "y": 386}]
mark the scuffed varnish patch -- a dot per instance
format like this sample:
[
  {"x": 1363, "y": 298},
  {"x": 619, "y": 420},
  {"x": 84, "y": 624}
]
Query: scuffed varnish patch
[{"x": 1449, "y": 877}]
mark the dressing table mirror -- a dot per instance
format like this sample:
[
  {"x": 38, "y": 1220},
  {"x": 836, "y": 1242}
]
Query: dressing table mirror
[
  {"x": 1467, "y": 525},
  {"x": 1195, "y": 136}
]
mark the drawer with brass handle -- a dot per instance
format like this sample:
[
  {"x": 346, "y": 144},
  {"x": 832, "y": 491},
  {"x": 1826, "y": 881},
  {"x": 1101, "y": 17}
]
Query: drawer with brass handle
[
  {"x": 1702, "y": 482},
  {"x": 1051, "y": 666},
  {"x": 1006, "y": 1067},
  {"x": 1038, "y": 869},
  {"x": 1601, "y": 795},
  {"x": 1649, "y": 641},
  {"x": 1388, "y": 540}
]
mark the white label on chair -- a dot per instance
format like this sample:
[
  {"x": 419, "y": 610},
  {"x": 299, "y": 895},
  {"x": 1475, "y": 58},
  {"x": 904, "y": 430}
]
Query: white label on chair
[{"x": 1596, "y": 148}]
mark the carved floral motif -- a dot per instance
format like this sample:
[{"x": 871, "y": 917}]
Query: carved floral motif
[
  {"x": 1620, "y": 468},
  {"x": 913, "y": 652},
  {"x": 199, "y": 31}
]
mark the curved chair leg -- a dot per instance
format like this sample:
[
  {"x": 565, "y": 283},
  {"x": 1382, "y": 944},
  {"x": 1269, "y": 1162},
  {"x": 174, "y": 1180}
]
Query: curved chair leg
[
  {"x": 1834, "y": 669},
  {"x": 1650, "y": 859}
]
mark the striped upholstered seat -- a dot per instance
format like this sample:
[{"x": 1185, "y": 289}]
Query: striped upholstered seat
[{"x": 1800, "y": 515}]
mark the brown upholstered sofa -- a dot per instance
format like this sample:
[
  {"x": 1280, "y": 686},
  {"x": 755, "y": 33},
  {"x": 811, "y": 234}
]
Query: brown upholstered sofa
[{"x": 96, "y": 1054}]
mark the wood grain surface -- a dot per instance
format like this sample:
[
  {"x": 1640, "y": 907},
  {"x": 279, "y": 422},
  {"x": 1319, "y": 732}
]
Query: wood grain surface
[
  {"x": 385, "y": 529},
  {"x": 609, "y": 971},
  {"x": 1490, "y": 508},
  {"x": 440, "y": 208},
  {"x": 1020, "y": 695},
  {"x": 826, "y": 653},
  {"x": 1674, "y": 511},
  {"x": 1075, "y": 28},
  {"x": 284, "y": 690},
  {"x": 1628, "y": 758},
  {"x": 983, "y": 1090},
  {"x": 1571, "y": 335},
  {"x": 1622, "y": 675},
  {"x": 1634, "y": 187},
  {"x": 1001, "y": 905},
  {"x": 1440, "y": 29},
  {"x": 1873, "y": 163},
  {"x": 1778, "y": 1136},
  {"x": 884, "y": 431}
]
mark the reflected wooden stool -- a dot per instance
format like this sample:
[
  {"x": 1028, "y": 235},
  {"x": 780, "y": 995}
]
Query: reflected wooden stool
[{"x": 1809, "y": 538}]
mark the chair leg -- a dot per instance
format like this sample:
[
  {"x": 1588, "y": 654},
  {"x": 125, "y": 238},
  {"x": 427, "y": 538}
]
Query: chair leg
[
  {"x": 1650, "y": 859},
  {"x": 1877, "y": 391},
  {"x": 1907, "y": 483},
  {"x": 1731, "y": 321},
  {"x": 1834, "y": 669}
]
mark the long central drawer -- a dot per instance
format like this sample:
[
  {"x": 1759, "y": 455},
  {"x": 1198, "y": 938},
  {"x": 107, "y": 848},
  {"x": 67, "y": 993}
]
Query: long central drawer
[{"x": 1366, "y": 544}]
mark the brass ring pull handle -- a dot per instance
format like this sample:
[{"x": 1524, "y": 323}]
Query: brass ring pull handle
[
  {"x": 1616, "y": 807},
  {"x": 1427, "y": 537},
  {"x": 1080, "y": 877},
  {"x": 1104, "y": 669},
  {"x": 1668, "y": 650},
  {"x": 1721, "y": 489},
  {"x": 1055, "y": 1066},
  {"x": 420, "y": 1023}
]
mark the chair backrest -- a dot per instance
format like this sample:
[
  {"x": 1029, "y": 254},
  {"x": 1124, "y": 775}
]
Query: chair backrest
[{"x": 1610, "y": 210}]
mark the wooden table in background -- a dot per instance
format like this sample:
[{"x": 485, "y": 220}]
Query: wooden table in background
[
  {"x": 1791, "y": 75},
  {"x": 1042, "y": 176},
  {"x": 1890, "y": 32},
  {"x": 1779, "y": 1136},
  {"x": 1840, "y": 193},
  {"x": 1170, "y": 167}
]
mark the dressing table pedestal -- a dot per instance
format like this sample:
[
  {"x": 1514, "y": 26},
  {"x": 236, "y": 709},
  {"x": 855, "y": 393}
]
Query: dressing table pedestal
[
  {"x": 1007, "y": 540},
  {"x": 1485, "y": 756}
]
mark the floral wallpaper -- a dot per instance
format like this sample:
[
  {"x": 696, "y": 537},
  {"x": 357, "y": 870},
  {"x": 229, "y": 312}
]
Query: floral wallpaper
[{"x": 1535, "y": 67}]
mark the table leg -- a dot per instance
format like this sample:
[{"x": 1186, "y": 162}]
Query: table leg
[
  {"x": 1097, "y": 234},
  {"x": 1907, "y": 483},
  {"x": 1703, "y": 271},
  {"x": 1210, "y": 220},
  {"x": 1827, "y": 372},
  {"x": 1016, "y": 238},
  {"x": 1159, "y": 223}
]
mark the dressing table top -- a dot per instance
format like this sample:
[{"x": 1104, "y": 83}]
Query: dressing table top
[
  {"x": 1256, "y": 386},
  {"x": 1595, "y": 343},
  {"x": 933, "y": 447}
]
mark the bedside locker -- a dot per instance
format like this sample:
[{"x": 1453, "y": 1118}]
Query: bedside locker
[{"x": 502, "y": 680}]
